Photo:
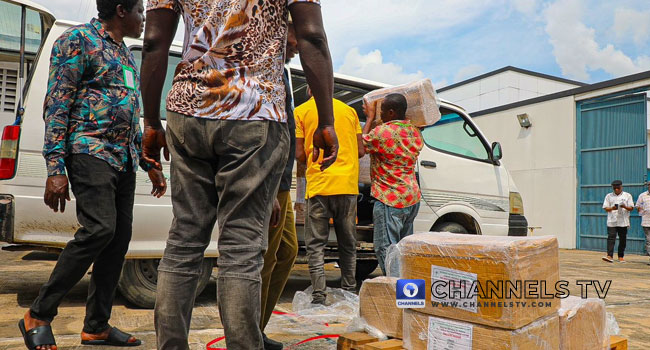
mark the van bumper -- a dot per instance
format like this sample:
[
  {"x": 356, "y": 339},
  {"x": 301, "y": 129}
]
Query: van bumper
[
  {"x": 517, "y": 225},
  {"x": 7, "y": 218}
]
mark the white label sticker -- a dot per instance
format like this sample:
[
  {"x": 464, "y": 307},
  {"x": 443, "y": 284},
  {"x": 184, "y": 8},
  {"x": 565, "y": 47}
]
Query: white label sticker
[
  {"x": 453, "y": 288},
  {"x": 301, "y": 189},
  {"x": 449, "y": 335},
  {"x": 129, "y": 77}
]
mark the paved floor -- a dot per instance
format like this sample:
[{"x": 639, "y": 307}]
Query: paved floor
[{"x": 22, "y": 274}]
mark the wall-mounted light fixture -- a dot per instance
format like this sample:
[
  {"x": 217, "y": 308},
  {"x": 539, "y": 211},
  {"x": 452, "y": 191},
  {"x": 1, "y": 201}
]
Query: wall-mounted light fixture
[{"x": 524, "y": 121}]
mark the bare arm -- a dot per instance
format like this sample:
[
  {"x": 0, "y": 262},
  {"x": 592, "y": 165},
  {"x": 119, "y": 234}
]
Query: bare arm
[
  {"x": 360, "y": 149},
  {"x": 301, "y": 156},
  {"x": 370, "y": 119},
  {"x": 317, "y": 64},
  {"x": 367, "y": 128},
  {"x": 158, "y": 37}
]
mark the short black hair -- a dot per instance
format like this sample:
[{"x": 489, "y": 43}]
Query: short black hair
[
  {"x": 106, "y": 9},
  {"x": 617, "y": 183},
  {"x": 396, "y": 102}
]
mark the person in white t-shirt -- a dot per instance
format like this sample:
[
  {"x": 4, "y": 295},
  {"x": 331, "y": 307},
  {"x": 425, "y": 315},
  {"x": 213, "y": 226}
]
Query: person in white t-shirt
[
  {"x": 643, "y": 206},
  {"x": 618, "y": 205}
]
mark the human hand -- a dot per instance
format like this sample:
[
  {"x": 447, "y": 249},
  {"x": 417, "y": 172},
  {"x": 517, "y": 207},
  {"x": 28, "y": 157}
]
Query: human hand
[
  {"x": 325, "y": 139},
  {"x": 153, "y": 139},
  {"x": 56, "y": 192},
  {"x": 158, "y": 182},
  {"x": 275, "y": 214}
]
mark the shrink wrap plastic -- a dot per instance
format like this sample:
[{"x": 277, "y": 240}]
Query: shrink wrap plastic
[
  {"x": 378, "y": 307},
  {"x": 583, "y": 324},
  {"x": 424, "y": 332},
  {"x": 341, "y": 310},
  {"x": 525, "y": 268},
  {"x": 423, "y": 105}
]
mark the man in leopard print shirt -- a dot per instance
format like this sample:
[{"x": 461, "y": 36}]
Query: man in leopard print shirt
[{"x": 229, "y": 142}]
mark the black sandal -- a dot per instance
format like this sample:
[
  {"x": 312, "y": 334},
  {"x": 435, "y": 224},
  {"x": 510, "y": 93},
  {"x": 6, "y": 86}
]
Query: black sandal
[
  {"x": 115, "y": 338},
  {"x": 38, "y": 336}
]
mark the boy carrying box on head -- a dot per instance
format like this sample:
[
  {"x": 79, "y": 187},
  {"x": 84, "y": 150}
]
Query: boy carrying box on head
[{"x": 394, "y": 146}]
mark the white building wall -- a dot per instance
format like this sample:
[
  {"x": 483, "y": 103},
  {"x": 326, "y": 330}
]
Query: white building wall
[
  {"x": 502, "y": 89},
  {"x": 541, "y": 160}
]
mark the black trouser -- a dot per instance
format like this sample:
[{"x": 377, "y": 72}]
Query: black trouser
[
  {"x": 105, "y": 211},
  {"x": 611, "y": 240}
]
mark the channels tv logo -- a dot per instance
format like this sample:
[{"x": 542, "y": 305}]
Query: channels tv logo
[{"x": 410, "y": 294}]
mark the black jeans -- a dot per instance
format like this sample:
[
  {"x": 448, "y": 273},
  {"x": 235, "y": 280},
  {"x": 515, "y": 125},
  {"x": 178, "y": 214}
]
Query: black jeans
[
  {"x": 225, "y": 171},
  {"x": 343, "y": 210},
  {"x": 105, "y": 211},
  {"x": 611, "y": 240}
]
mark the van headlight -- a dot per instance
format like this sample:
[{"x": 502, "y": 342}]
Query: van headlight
[{"x": 516, "y": 204}]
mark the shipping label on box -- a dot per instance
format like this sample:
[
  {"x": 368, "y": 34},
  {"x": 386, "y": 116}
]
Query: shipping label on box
[
  {"x": 455, "y": 288},
  {"x": 449, "y": 335}
]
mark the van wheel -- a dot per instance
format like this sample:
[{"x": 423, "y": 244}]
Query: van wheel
[
  {"x": 140, "y": 276},
  {"x": 365, "y": 268},
  {"x": 449, "y": 227}
]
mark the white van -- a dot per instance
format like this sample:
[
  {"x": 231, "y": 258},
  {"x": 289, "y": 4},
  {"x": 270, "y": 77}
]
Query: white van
[{"x": 465, "y": 187}]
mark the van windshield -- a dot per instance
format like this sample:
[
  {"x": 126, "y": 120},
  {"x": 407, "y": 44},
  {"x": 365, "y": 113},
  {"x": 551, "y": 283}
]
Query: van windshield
[
  {"x": 453, "y": 134},
  {"x": 174, "y": 60}
]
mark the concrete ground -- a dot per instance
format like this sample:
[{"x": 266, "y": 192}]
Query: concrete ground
[{"x": 22, "y": 274}]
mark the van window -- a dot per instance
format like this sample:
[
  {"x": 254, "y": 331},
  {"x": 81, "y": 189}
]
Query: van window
[
  {"x": 10, "y": 17},
  {"x": 452, "y": 134},
  {"x": 171, "y": 68}
]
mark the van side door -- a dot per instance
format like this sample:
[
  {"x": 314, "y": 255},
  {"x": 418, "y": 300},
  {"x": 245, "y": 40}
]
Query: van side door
[{"x": 457, "y": 173}]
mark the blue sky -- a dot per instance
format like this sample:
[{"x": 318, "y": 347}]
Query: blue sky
[{"x": 396, "y": 41}]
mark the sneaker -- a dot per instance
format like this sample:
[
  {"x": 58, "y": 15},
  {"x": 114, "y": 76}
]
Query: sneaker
[
  {"x": 317, "y": 302},
  {"x": 609, "y": 259},
  {"x": 270, "y": 344},
  {"x": 621, "y": 260}
]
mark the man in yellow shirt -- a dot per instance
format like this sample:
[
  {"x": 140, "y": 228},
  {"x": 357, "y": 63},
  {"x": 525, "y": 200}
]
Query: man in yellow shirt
[{"x": 331, "y": 194}]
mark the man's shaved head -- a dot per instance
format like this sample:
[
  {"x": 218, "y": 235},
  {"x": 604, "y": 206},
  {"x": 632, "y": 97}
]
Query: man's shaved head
[{"x": 394, "y": 105}]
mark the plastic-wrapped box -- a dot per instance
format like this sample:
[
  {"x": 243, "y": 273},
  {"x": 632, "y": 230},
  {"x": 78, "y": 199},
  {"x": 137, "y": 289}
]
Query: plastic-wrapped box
[
  {"x": 425, "y": 332},
  {"x": 583, "y": 324},
  {"x": 504, "y": 282},
  {"x": 378, "y": 307},
  {"x": 422, "y": 102},
  {"x": 364, "y": 170}
]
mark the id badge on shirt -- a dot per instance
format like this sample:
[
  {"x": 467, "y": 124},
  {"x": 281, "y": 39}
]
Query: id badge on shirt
[{"x": 129, "y": 77}]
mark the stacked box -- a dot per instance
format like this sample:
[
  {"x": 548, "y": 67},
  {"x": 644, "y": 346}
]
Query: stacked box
[
  {"x": 378, "y": 307},
  {"x": 583, "y": 324},
  {"x": 425, "y": 332},
  {"x": 422, "y": 102},
  {"x": 354, "y": 341},
  {"x": 500, "y": 268},
  {"x": 391, "y": 344}
]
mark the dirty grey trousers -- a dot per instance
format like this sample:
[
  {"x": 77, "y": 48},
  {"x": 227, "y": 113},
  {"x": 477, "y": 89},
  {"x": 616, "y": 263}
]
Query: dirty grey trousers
[
  {"x": 343, "y": 210},
  {"x": 226, "y": 172}
]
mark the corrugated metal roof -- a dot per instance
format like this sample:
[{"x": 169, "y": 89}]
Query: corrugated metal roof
[
  {"x": 512, "y": 69},
  {"x": 580, "y": 90}
]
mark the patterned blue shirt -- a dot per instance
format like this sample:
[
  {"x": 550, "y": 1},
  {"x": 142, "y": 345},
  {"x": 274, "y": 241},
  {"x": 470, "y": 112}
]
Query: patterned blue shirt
[{"x": 92, "y": 102}]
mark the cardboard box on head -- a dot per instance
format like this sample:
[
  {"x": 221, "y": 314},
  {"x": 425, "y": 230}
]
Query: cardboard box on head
[{"x": 423, "y": 105}]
